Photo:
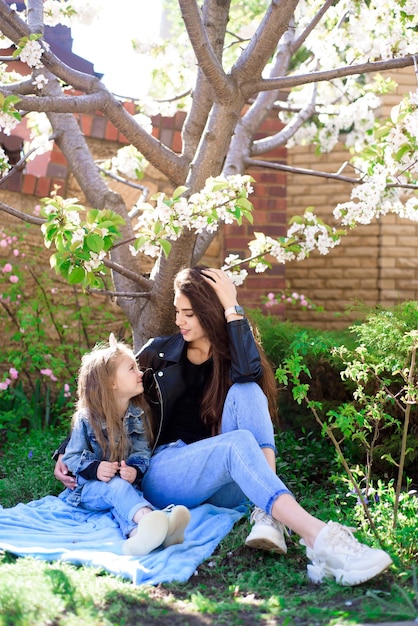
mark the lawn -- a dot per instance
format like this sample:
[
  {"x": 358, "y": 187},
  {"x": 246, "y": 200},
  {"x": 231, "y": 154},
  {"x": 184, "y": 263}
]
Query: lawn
[{"x": 236, "y": 586}]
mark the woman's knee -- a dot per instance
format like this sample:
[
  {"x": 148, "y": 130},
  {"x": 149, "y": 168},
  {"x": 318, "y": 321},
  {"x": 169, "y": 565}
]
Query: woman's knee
[{"x": 245, "y": 392}]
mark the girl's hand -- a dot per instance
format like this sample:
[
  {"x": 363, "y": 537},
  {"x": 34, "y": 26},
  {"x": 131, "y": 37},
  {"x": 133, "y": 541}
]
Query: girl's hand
[
  {"x": 107, "y": 470},
  {"x": 222, "y": 285},
  {"x": 127, "y": 472}
]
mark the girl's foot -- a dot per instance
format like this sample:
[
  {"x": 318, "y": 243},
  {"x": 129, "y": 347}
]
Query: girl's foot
[
  {"x": 151, "y": 531},
  {"x": 178, "y": 517}
]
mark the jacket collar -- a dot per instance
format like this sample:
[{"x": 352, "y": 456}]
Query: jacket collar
[{"x": 172, "y": 348}]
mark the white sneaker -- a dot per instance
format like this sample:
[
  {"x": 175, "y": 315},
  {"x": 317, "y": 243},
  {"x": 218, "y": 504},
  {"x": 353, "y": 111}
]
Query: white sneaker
[
  {"x": 150, "y": 533},
  {"x": 266, "y": 534},
  {"x": 338, "y": 554},
  {"x": 178, "y": 518}
]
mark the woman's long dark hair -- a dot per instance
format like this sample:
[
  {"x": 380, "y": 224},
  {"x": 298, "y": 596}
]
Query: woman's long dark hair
[{"x": 208, "y": 309}]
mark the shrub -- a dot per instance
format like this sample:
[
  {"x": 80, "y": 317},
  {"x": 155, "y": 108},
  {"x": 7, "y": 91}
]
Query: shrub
[{"x": 46, "y": 327}]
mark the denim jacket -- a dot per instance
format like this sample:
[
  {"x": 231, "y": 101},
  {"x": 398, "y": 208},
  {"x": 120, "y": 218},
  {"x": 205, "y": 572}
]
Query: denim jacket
[{"x": 83, "y": 449}]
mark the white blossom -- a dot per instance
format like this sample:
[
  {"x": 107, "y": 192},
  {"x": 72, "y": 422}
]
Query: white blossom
[
  {"x": 40, "y": 81},
  {"x": 32, "y": 53}
]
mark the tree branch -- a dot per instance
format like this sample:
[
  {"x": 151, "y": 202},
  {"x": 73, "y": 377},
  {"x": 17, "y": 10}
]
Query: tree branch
[
  {"x": 205, "y": 55},
  {"x": 120, "y": 294},
  {"x": 336, "y": 176},
  {"x": 123, "y": 271},
  {"x": 266, "y": 144},
  {"x": 312, "y": 24},
  {"x": 264, "y": 42},
  {"x": 24, "y": 217},
  {"x": 286, "y": 82}
]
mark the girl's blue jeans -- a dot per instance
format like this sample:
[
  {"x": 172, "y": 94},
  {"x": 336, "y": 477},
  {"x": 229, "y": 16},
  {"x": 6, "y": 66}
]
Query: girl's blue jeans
[
  {"x": 225, "y": 470},
  {"x": 117, "y": 496}
]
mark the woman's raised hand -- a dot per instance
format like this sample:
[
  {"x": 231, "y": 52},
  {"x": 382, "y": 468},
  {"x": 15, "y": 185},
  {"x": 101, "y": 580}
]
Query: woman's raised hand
[{"x": 222, "y": 285}]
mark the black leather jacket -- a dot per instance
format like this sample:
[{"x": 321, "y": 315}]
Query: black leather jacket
[{"x": 161, "y": 359}]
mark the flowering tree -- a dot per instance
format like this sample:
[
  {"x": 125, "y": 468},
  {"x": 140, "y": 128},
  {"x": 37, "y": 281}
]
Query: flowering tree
[{"x": 326, "y": 56}]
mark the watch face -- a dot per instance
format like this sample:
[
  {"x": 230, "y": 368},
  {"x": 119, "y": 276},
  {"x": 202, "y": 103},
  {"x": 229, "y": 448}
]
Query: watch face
[{"x": 239, "y": 310}]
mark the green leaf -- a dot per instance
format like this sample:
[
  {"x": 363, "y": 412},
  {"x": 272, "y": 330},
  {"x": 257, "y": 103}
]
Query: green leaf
[
  {"x": 165, "y": 246},
  {"x": 94, "y": 242},
  {"x": 76, "y": 275}
]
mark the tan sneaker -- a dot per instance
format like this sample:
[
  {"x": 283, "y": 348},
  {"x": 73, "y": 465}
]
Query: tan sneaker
[
  {"x": 338, "y": 554},
  {"x": 266, "y": 534},
  {"x": 150, "y": 533},
  {"x": 178, "y": 519}
]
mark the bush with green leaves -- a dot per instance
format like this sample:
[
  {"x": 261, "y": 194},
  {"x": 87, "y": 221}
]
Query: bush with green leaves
[
  {"x": 46, "y": 327},
  {"x": 382, "y": 375}
]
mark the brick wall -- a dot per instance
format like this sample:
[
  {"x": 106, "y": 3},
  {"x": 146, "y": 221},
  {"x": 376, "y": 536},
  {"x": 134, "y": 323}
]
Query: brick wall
[{"x": 377, "y": 264}]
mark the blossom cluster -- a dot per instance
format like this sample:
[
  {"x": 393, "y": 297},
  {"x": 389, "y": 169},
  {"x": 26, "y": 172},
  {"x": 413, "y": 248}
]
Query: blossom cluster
[
  {"x": 68, "y": 12},
  {"x": 352, "y": 32},
  {"x": 221, "y": 200}
]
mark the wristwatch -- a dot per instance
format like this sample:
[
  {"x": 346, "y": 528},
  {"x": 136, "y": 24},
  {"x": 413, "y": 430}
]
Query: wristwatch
[{"x": 236, "y": 310}]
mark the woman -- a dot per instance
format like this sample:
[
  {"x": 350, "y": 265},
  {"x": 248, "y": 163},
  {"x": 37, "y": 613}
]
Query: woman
[
  {"x": 212, "y": 435},
  {"x": 108, "y": 451}
]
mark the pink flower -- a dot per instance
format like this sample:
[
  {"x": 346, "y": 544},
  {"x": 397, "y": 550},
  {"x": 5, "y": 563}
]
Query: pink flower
[
  {"x": 13, "y": 373},
  {"x": 48, "y": 372},
  {"x": 16, "y": 252},
  {"x": 4, "y": 384},
  {"x": 14, "y": 279},
  {"x": 270, "y": 296},
  {"x": 37, "y": 209},
  {"x": 3, "y": 243},
  {"x": 7, "y": 268}
]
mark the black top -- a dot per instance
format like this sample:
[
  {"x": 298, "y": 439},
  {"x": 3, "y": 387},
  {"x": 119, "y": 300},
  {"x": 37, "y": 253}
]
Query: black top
[{"x": 187, "y": 425}]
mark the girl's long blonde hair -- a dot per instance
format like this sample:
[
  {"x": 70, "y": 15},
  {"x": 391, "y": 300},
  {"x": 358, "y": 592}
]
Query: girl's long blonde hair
[{"x": 95, "y": 393}]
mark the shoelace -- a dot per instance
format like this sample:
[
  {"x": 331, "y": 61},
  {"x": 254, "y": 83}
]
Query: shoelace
[
  {"x": 342, "y": 537},
  {"x": 258, "y": 516}
]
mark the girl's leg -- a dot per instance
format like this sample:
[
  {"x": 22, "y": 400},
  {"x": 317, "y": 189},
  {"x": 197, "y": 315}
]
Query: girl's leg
[
  {"x": 191, "y": 474},
  {"x": 146, "y": 529},
  {"x": 118, "y": 496}
]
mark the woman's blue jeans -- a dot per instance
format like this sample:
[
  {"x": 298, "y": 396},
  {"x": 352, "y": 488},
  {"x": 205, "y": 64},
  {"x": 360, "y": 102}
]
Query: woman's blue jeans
[
  {"x": 224, "y": 470},
  {"x": 117, "y": 496}
]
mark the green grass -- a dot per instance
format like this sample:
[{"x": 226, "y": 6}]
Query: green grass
[{"x": 236, "y": 586}]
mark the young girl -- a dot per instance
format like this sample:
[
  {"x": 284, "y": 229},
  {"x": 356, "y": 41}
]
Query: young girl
[{"x": 108, "y": 451}]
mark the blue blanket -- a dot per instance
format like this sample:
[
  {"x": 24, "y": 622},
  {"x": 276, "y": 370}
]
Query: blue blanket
[{"x": 51, "y": 529}]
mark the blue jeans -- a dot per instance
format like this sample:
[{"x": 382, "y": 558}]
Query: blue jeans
[
  {"x": 117, "y": 496},
  {"x": 226, "y": 469}
]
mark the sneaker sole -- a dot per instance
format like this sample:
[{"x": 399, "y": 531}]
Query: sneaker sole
[
  {"x": 316, "y": 574},
  {"x": 178, "y": 520},
  {"x": 261, "y": 543}
]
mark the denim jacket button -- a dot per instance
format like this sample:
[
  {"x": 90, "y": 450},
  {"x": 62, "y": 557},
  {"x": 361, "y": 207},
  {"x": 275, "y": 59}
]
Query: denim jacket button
[
  {"x": 160, "y": 373},
  {"x": 161, "y": 354}
]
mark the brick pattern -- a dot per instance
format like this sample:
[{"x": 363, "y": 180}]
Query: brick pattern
[{"x": 376, "y": 264}]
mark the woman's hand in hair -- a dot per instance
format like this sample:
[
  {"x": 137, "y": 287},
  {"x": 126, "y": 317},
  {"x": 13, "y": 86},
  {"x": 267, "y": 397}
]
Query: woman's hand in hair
[{"x": 222, "y": 285}]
